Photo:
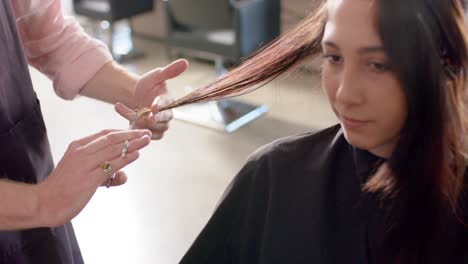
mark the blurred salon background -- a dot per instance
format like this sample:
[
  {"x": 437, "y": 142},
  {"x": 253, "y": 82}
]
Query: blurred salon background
[{"x": 175, "y": 185}]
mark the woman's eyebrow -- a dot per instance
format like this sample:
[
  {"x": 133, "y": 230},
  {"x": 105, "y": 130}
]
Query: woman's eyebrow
[
  {"x": 371, "y": 49},
  {"x": 366, "y": 49},
  {"x": 330, "y": 44}
]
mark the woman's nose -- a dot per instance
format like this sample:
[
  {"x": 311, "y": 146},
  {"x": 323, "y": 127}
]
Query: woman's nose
[{"x": 350, "y": 89}]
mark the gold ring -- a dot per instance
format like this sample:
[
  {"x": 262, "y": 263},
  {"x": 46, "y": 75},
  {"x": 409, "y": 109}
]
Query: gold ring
[
  {"x": 125, "y": 149},
  {"x": 106, "y": 167}
]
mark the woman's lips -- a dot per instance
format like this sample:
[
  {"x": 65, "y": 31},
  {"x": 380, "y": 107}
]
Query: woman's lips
[{"x": 352, "y": 123}]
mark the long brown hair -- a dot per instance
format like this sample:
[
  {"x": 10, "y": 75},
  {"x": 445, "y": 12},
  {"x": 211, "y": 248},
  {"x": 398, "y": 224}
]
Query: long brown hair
[
  {"x": 423, "y": 179},
  {"x": 426, "y": 43}
]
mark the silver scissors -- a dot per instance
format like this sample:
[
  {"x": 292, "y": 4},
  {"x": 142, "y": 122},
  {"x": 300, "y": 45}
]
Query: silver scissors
[{"x": 138, "y": 114}]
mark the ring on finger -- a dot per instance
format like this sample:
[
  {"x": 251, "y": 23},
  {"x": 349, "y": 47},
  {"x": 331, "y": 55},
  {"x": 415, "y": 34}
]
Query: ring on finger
[
  {"x": 107, "y": 167},
  {"x": 125, "y": 149}
]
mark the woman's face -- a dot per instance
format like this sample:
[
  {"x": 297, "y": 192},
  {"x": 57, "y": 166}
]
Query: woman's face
[{"x": 363, "y": 91}]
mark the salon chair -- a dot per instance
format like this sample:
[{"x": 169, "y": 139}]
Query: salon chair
[
  {"x": 108, "y": 12},
  {"x": 224, "y": 31}
]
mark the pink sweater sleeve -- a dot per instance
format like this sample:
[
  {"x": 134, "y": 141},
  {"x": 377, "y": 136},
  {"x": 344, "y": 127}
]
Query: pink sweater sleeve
[{"x": 57, "y": 46}]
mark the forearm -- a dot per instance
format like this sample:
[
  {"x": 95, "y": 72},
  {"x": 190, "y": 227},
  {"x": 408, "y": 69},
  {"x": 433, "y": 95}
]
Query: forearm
[
  {"x": 19, "y": 206},
  {"x": 112, "y": 84}
]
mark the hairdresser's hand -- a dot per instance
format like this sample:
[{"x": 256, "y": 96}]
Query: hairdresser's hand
[
  {"x": 151, "y": 92},
  {"x": 78, "y": 175}
]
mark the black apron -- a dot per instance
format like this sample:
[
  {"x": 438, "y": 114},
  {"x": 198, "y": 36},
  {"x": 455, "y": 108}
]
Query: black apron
[{"x": 25, "y": 153}]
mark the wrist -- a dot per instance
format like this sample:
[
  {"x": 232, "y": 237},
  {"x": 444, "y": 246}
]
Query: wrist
[
  {"x": 44, "y": 217},
  {"x": 123, "y": 83},
  {"x": 38, "y": 207},
  {"x": 21, "y": 206},
  {"x": 112, "y": 84}
]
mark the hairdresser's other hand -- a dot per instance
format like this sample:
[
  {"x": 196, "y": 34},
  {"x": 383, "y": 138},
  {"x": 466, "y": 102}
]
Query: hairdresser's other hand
[
  {"x": 78, "y": 174},
  {"x": 151, "y": 92}
]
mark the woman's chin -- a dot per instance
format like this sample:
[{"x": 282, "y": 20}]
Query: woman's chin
[
  {"x": 358, "y": 140},
  {"x": 377, "y": 146}
]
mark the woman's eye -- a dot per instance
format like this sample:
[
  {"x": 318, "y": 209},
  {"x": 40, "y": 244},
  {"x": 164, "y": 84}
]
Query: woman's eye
[
  {"x": 382, "y": 67},
  {"x": 333, "y": 59}
]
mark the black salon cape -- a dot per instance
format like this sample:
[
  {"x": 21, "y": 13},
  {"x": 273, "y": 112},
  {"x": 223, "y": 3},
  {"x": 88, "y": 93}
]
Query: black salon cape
[{"x": 297, "y": 200}]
